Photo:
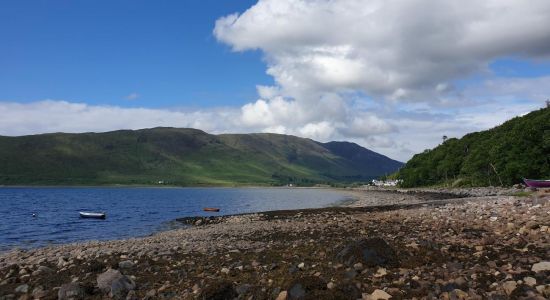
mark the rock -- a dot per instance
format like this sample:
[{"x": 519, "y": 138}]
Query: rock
[
  {"x": 297, "y": 291},
  {"x": 544, "y": 290},
  {"x": 541, "y": 266},
  {"x": 114, "y": 283},
  {"x": 71, "y": 291},
  {"x": 379, "y": 294},
  {"x": 530, "y": 281},
  {"x": 221, "y": 289},
  {"x": 126, "y": 264},
  {"x": 302, "y": 287},
  {"x": 243, "y": 289},
  {"x": 358, "y": 266},
  {"x": 509, "y": 286},
  {"x": 132, "y": 295},
  {"x": 381, "y": 272},
  {"x": 370, "y": 252},
  {"x": 198, "y": 222},
  {"x": 301, "y": 266},
  {"x": 24, "y": 288},
  {"x": 282, "y": 295},
  {"x": 38, "y": 292},
  {"x": 459, "y": 294},
  {"x": 42, "y": 270},
  {"x": 331, "y": 285},
  {"x": 225, "y": 270}
]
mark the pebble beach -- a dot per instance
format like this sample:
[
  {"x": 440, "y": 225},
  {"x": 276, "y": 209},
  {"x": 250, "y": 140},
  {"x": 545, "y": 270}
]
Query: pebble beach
[{"x": 486, "y": 243}]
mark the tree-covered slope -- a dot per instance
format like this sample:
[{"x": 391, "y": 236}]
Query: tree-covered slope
[
  {"x": 519, "y": 148},
  {"x": 180, "y": 157}
]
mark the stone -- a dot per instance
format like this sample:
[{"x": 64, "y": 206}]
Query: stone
[
  {"x": 24, "y": 288},
  {"x": 544, "y": 290},
  {"x": 243, "y": 289},
  {"x": 509, "y": 286},
  {"x": 71, "y": 291},
  {"x": 530, "y": 281},
  {"x": 198, "y": 222},
  {"x": 225, "y": 270},
  {"x": 541, "y": 266},
  {"x": 282, "y": 295},
  {"x": 297, "y": 291},
  {"x": 379, "y": 295},
  {"x": 358, "y": 266},
  {"x": 381, "y": 272},
  {"x": 370, "y": 252},
  {"x": 114, "y": 283},
  {"x": 301, "y": 266},
  {"x": 39, "y": 292},
  {"x": 331, "y": 285},
  {"x": 126, "y": 264},
  {"x": 132, "y": 295}
]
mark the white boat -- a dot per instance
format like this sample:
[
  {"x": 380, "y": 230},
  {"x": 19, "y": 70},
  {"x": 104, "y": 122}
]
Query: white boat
[{"x": 92, "y": 215}]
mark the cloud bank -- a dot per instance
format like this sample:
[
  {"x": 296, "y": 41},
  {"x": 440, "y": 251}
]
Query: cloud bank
[{"x": 391, "y": 75}]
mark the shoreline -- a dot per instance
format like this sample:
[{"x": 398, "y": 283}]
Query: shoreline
[{"x": 480, "y": 247}]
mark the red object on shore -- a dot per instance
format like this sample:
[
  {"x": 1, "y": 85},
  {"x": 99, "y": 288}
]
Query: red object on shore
[
  {"x": 537, "y": 183},
  {"x": 211, "y": 209}
]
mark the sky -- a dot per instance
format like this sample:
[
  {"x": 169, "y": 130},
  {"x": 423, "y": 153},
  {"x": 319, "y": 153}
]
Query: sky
[{"x": 393, "y": 76}]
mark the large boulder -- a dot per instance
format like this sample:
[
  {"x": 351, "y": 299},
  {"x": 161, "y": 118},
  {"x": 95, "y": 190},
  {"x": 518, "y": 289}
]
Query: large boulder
[
  {"x": 71, "y": 291},
  {"x": 370, "y": 252},
  {"x": 115, "y": 284}
]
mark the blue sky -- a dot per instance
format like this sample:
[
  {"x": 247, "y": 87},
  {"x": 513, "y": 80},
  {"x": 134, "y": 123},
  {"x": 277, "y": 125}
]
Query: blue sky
[
  {"x": 392, "y": 76},
  {"x": 101, "y": 51}
]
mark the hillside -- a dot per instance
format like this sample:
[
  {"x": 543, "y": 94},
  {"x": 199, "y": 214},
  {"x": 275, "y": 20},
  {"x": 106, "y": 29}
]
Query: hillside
[
  {"x": 519, "y": 148},
  {"x": 186, "y": 157}
]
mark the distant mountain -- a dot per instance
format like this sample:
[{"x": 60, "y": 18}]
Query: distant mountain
[
  {"x": 186, "y": 157},
  {"x": 519, "y": 148}
]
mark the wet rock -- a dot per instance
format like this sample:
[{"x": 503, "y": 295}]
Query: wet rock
[
  {"x": 218, "y": 290},
  {"x": 370, "y": 252},
  {"x": 114, "y": 283},
  {"x": 24, "y": 288},
  {"x": 297, "y": 291},
  {"x": 302, "y": 287},
  {"x": 71, "y": 291},
  {"x": 126, "y": 264},
  {"x": 243, "y": 289},
  {"x": 541, "y": 266},
  {"x": 39, "y": 292}
]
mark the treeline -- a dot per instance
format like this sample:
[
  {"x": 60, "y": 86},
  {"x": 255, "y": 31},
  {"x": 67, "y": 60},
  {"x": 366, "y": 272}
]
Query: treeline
[{"x": 519, "y": 148}]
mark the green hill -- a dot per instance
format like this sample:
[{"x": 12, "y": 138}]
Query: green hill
[
  {"x": 186, "y": 157},
  {"x": 519, "y": 148}
]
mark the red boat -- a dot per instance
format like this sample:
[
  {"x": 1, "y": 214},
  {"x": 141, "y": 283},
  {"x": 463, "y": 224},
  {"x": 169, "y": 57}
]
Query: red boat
[
  {"x": 536, "y": 183},
  {"x": 215, "y": 209}
]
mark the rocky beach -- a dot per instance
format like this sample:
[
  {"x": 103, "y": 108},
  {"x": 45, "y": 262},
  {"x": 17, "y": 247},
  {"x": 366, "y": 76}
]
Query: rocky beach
[{"x": 486, "y": 243}]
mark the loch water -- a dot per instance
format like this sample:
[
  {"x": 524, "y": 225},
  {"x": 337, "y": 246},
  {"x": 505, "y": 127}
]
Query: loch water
[{"x": 132, "y": 212}]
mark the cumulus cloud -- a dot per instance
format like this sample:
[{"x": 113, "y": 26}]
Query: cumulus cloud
[
  {"x": 382, "y": 73},
  {"x": 399, "y": 56},
  {"x": 388, "y": 48}
]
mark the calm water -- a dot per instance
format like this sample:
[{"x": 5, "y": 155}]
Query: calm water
[{"x": 131, "y": 211}]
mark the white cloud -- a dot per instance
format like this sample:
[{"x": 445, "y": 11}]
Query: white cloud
[
  {"x": 402, "y": 55},
  {"x": 381, "y": 73}
]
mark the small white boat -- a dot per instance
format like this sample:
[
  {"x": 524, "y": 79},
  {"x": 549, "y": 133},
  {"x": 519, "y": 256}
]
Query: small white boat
[{"x": 92, "y": 215}]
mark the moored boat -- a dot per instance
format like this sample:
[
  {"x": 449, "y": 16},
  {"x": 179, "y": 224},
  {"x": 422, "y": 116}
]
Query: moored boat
[
  {"x": 92, "y": 215},
  {"x": 537, "y": 183},
  {"x": 214, "y": 209}
]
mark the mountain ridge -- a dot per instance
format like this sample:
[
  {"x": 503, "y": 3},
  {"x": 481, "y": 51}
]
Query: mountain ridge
[{"x": 183, "y": 157}]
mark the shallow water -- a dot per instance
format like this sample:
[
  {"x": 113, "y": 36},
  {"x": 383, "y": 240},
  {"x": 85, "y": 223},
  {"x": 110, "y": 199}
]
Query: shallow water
[{"x": 132, "y": 211}]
